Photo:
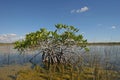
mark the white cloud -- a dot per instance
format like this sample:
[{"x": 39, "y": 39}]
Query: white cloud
[
  {"x": 8, "y": 38},
  {"x": 113, "y": 27},
  {"x": 83, "y": 9},
  {"x": 12, "y": 34}
]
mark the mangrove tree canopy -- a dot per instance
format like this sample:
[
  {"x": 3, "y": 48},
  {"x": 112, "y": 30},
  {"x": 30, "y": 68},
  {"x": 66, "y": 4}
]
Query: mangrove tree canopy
[{"x": 55, "y": 46}]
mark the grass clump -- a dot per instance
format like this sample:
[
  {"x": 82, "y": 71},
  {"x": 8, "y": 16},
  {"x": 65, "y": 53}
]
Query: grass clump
[{"x": 39, "y": 73}]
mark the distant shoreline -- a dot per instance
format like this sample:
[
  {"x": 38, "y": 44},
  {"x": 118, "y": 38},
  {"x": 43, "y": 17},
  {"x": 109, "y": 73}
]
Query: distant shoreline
[
  {"x": 6, "y": 43},
  {"x": 89, "y": 43},
  {"x": 103, "y": 43}
]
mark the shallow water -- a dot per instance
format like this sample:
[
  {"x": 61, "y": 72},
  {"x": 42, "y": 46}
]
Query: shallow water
[
  {"x": 11, "y": 61},
  {"x": 8, "y": 55}
]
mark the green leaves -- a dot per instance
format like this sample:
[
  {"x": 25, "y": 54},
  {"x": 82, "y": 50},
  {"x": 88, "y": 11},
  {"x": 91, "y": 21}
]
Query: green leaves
[
  {"x": 63, "y": 35},
  {"x": 59, "y": 26}
]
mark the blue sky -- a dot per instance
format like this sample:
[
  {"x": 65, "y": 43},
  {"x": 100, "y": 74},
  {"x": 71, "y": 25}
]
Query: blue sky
[{"x": 98, "y": 20}]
